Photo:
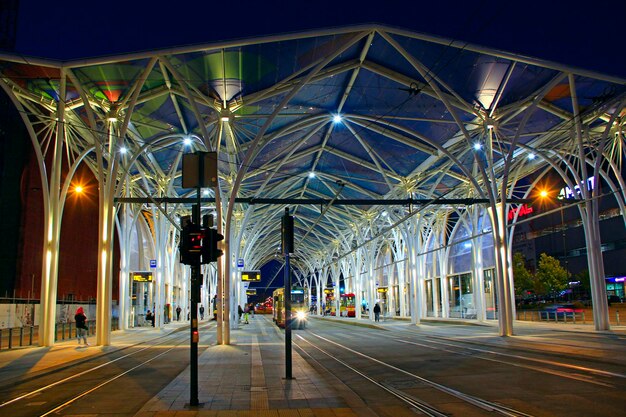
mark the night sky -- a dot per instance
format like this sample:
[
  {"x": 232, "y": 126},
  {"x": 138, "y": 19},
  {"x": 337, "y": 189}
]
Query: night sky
[{"x": 590, "y": 36}]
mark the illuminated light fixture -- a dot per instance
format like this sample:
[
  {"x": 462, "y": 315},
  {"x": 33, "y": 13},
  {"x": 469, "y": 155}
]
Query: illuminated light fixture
[
  {"x": 543, "y": 193},
  {"x": 384, "y": 214},
  {"x": 79, "y": 189},
  {"x": 477, "y": 146},
  {"x": 311, "y": 174},
  {"x": 467, "y": 245},
  {"x": 531, "y": 156},
  {"x": 111, "y": 119},
  {"x": 337, "y": 118},
  {"x": 205, "y": 192},
  {"x": 225, "y": 119},
  {"x": 187, "y": 141},
  {"x": 123, "y": 150}
]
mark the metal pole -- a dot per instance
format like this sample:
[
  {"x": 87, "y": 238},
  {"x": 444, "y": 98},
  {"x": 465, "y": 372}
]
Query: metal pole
[
  {"x": 287, "y": 318},
  {"x": 287, "y": 246},
  {"x": 195, "y": 292}
]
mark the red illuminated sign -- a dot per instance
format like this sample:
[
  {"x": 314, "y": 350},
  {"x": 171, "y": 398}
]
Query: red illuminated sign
[{"x": 521, "y": 211}]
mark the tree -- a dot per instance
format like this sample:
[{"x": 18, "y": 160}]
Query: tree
[
  {"x": 552, "y": 276},
  {"x": 522, "y": 278}
]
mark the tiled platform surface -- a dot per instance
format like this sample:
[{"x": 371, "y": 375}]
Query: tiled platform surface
[{"x": 247, "y": 378}]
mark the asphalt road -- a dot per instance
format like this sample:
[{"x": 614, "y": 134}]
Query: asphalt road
[{"x": 541, "y": 374}]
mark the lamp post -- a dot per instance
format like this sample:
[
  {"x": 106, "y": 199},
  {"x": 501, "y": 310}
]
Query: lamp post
[{"x": 565, "y": 260}]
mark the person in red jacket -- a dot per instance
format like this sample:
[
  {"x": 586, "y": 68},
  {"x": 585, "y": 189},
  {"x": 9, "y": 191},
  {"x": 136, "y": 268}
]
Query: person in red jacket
[{"x": 81, "y": 325}]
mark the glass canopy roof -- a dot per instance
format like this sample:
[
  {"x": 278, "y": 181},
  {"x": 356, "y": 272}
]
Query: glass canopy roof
[{"x": 374, "y": 113}]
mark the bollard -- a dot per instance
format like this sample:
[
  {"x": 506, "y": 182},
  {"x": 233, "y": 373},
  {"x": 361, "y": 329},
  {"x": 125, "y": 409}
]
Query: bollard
[
  {"x": 30, "y": 336},
  {"x": 0, "y": 339},
  {"x": 583, "y": 317},
  {"x": 21, "y": 336},
  {"x": 10, "y": 337},
  {"x": 574, "y": 317},
  {"x": 617, "y": 316}
]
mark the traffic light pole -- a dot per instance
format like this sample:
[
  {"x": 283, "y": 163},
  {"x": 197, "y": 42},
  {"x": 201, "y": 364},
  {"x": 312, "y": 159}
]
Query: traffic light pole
[
  {"x": 198, "y": 246},
  {"x": 195, "y": 336},
  {"x": 287, "y": 248},
  {"x": 288, "y": 374}
]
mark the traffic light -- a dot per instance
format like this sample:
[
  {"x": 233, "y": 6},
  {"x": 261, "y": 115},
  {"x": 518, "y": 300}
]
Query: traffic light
[
  {"x": 190, "y": 244},
  {"x": 286, "y": 233},
  {"x": 210, "y": 252}
]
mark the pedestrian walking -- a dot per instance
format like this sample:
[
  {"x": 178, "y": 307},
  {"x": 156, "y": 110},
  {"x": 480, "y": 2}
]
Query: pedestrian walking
[
  {"x": 81, "y": 325},
  {"x": 150, "y": 317},
  {"x": 178, "y": 311},
  {"x": 376, "y": 312},
  {"x": 201, "y": 312},
  {"x": 246, "y": 312},
  {"x": 240, "y": 312}
]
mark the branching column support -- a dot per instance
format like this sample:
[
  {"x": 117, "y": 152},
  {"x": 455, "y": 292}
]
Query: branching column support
[
  {"x": 357, "y": 286},
  {"x": 125, "y": 226},
  {"x": 52, "y": 227},
  {"x": 107, "y": 177},
  {"x": 371, "y": 278}
]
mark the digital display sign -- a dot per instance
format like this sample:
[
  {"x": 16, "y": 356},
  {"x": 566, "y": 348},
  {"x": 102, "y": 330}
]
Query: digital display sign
[
  {"x": 141, "y": 276},
  {"x": 251, "y": 275}
]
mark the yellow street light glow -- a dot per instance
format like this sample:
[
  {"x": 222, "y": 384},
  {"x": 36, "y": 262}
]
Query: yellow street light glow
[
  {"x": 543, "y": 193},
  {"x": 79, "y": 189}
]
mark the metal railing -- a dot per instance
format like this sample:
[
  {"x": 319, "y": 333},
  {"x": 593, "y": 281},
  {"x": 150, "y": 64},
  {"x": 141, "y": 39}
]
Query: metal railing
[
  {"x": 563, "y": 317},
  {"x": 29, "y": 335}
]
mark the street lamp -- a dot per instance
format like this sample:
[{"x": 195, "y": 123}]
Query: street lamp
[{"x": 546, "y": 194}]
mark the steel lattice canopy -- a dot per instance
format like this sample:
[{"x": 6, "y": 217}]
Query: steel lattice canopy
[{"x": 373, "y": 112}]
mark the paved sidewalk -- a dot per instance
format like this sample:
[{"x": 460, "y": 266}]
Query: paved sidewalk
[
  {"x": 247, "y": 378},
  {"x": 19, "y": 362}
]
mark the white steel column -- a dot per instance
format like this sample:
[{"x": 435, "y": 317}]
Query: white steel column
[
  {"x": 124, "y": 232},
  {"x": 107, "y": 182},
  {"x": 52, "y": 228}
]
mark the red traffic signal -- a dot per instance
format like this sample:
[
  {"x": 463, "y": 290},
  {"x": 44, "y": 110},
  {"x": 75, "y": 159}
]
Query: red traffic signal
[{"x": 191, "y": 244}]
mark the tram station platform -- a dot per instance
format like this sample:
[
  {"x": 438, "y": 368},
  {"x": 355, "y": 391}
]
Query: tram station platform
[{"x": 247, "y": 377}]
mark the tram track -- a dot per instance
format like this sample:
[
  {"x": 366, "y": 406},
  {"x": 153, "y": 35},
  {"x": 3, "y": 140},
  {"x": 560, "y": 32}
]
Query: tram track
[
  {"x": 94, "y": 358},
  {"x": 559, "y": 368},
  {"x": 48, "y": 398},
  {"x": 572, "y": 370},
  {"x": 414, "y": 402},
  {"x": 541, "y": 367}
]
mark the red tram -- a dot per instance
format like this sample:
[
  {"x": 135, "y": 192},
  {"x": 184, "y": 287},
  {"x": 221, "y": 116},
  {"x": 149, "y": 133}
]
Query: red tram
[{"x": 347, "y": 307}]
